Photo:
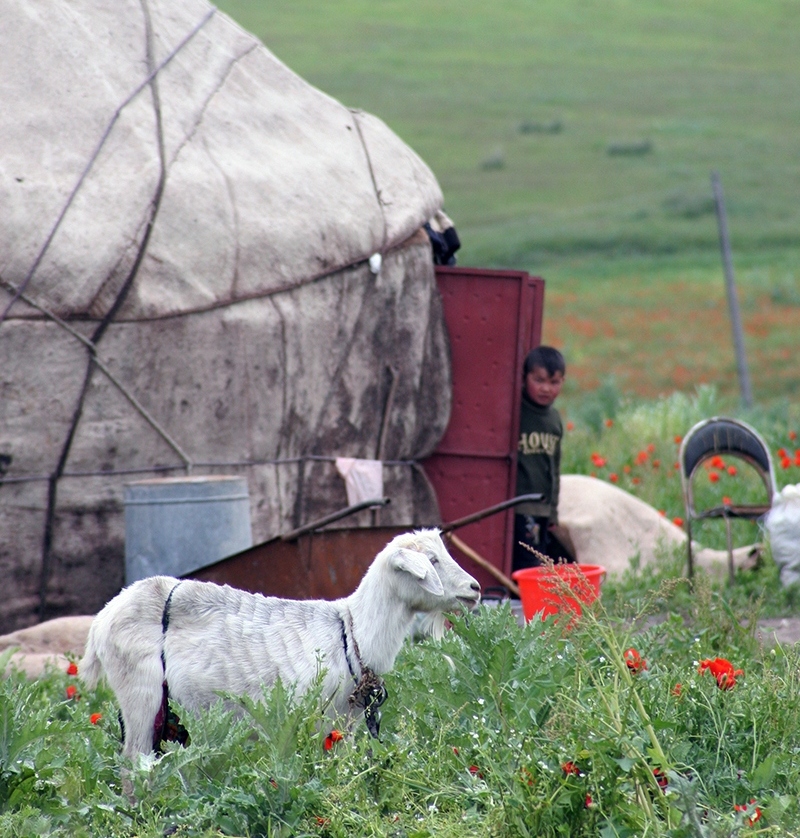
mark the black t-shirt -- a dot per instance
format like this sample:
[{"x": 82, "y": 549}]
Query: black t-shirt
[{"x": 539, "y": 458}]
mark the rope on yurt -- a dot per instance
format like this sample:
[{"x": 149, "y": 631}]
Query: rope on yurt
[
  {"x": 140, "y": 408},
  {"x": 378, "y": 197},
  {"x": 49, "y": 526},
  {"x": 48, "y": 241}
]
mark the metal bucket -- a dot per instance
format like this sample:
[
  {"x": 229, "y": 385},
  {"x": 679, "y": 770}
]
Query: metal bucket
[{"x": 176, "y": 525}]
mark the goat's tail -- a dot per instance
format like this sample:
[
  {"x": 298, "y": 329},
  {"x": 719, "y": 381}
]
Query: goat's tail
[{"x": 90, "y": 668}]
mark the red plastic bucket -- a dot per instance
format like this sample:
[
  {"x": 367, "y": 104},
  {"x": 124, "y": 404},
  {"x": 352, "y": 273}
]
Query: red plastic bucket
[{"x": 542, "y": 590}]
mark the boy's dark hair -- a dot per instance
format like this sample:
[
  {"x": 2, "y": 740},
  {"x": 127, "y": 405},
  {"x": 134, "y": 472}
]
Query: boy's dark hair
[{"x": 545, "y": 356}]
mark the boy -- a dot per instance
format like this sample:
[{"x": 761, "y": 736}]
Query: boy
[{"x": 539, "y": 460}]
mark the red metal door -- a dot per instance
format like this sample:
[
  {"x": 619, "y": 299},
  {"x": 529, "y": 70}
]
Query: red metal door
[{"x": 493, "y": 319}]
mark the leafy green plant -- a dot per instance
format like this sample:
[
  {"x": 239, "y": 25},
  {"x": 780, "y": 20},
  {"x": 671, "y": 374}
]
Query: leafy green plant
[
  {"x": 614, "y": 725},
  {"x": 634, "y": 444},
  {"x": 547, "y": 729}
]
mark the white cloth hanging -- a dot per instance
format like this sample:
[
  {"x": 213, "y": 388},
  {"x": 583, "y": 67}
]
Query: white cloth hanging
[{"x": 363, "y": 479}]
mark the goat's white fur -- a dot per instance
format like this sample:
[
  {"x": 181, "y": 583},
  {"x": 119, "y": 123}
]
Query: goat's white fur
[{"x": 221, "y": 639}]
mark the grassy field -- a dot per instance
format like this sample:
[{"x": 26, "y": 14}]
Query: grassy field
[
  {"x": 497, "y": 732},
  {"x": 576, "y": 140},
  {"x": 655, "y": 325},
  {"x": 612, "y": 726}
]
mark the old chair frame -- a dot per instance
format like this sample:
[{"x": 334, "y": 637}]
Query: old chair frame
[{"x": 723, "y": 436}]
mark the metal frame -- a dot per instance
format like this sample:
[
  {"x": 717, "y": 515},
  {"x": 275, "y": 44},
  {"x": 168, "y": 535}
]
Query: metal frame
[
  {"x": 493, "y": 318},
  {"x": 719, "y": 436}
]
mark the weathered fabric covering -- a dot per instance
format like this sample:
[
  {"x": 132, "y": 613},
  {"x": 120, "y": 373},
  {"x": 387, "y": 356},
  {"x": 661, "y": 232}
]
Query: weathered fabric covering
[{"x": 175, "y": 194}]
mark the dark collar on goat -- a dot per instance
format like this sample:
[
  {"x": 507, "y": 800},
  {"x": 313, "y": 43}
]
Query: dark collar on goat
[{"x": 370, "y": 692}]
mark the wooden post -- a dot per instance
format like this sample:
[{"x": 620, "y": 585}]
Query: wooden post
[{"x": 730, "y": 288}]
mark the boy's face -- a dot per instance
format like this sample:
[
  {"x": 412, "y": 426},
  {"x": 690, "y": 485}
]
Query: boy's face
[{"x": 543, "y": 388}]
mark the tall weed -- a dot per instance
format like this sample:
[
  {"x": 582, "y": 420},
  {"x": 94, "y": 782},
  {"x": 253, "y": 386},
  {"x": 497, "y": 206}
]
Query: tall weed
[{"x": 497, "y": 730}]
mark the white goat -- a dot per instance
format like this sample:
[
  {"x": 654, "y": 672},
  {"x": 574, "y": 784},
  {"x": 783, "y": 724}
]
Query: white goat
[{"x": 202, "y": 639}]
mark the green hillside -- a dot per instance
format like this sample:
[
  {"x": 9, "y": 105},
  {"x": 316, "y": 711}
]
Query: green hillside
[
  {"x": 576, "y": 139},
  {"x": 563, "y": 127}
]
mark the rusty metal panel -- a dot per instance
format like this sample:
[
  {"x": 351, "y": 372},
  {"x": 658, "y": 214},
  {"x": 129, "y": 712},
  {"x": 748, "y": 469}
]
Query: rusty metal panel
[
  {"x": 493, "y": 318},
  {"x": 319, "y": 565}
]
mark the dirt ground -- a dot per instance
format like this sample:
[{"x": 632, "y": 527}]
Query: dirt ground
[{"x": 779, "y": 630}]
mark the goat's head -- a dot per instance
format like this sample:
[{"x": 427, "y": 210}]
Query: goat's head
[{"x": 426, "y": 576}]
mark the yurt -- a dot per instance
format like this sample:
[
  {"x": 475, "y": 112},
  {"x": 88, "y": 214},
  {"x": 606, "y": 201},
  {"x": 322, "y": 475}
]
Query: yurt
[{"x": 207, "y": 267}]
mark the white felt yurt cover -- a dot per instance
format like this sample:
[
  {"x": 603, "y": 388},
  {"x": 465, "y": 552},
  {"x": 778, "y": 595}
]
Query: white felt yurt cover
[{"x": 184, "y": 285}]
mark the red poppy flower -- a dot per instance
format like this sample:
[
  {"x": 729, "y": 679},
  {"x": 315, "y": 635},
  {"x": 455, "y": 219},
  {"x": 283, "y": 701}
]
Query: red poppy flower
[
  {"x": 95, "y": 718},
  {"x": 651, "y": 447},
  {"x": 677, "y": 690},
  {"x": 786, "y": 462},
  {"x": 72, "y": 669},
  {"x": 676, "y": 466},
  {"x": 322, "y": 821},
  {"x": 598, "y": 460},
  {"x": 781, "y": 452},
  {"x": 717, "y": 462},
  {"x": 656, "y": 463},
  {"x": 792, "y": 435},
  {"x": 677, "y": 521},
  {"x": 661, "y": 778},
  {"x": 726, "y": 501},
  {"x": 613, "y": 477},
  {"x": 733, "y": 471},
  {"x": 751, "y": 818},
  {"x": 636, "y": 480},
  {"x": 626, "y": 469},
  {"x": 72, "y": 692},
  {"x": 609, "y": 422},
  {"x": 475, "y": 771},
  {"x": 588, "y": 802},
  {"x": 570, "y": 426},
  {"x": 569, "y": 767},
  {"x": 332, "y": 738},
  {"x": 642, "y": 457},
  {"x": 634, "y": 661},
  {"x": 678, "y": 439},
  {"x": 722, "y": 670},
  {"x": 713, "y": 476}
]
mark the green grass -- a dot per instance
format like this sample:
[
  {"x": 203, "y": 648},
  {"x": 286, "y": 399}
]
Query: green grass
[
  {"x": 478, "y": 730},
  {"x": 660, "y": 324},
  {"x": 474, "y": 743},
  {"x": 479, "y": 737},
  {"x": 707, "y": 87},
  {"x": 518, "y": 107}
]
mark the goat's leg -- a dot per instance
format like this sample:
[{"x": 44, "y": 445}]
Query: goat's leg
[{"x": 139, "y": 691}]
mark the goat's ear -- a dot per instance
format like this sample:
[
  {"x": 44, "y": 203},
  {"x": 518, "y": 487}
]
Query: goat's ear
[{"x": 420, "y": 567}]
